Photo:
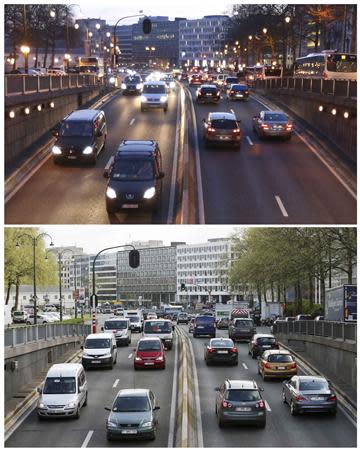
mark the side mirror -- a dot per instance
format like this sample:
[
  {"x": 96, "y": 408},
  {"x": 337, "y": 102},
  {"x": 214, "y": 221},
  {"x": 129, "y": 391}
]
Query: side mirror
[
  {"x": 81, "y": 347},
  {"x": 156, "y": 408},
  {"x": 217, "y": 389},
  {"x": 107, "y": 409},
  {"x": 106, "y": 173},
  {"x": 160, "y": 175},
  {"x": 39, "y": 390}
]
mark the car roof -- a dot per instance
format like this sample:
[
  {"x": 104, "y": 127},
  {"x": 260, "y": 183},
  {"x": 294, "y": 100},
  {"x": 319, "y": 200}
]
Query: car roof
[
  {"x": 112, "y": 319},
  {"x": 242, "y": 318},
  {"x": 151, "y": 338},
  {"x": 221, "y": 115},
  {"x": 208, "y": 86},
  {"x": 220, "y": 339},
  {"x": 263, "y": 335},
  {"x": 162, "y": 83},
  {"x": 137, "y": 146},
  {"x": 273, "y": 112},
  {"x": 277, "y": 352},
  {"x": 310, "y": 378},
  {"x": 99, "y": 336},
  {"x": 64, "y": 370},
  {"x": 83, "y": 114},
  {"x": 158, "y": 320},
  {"x": 133, "y": 393},
  {"x": 241, "y": 384}
]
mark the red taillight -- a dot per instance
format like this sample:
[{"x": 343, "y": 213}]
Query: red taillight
[
  {"x": 325, "y": 76},
  {"x": 211, "y": 130},
  {"x": 260, "y": 404},
  {"x": 293, "y": 365},
  {"x": 300, "y": 398},
  {"x": 234, "y": 350},
  {"x": 264, "y": 126},
  {"x": 289, "y": 126},
  {"x": 210, "y": 349},
  {"x": 236, "y": 131},
  {"x": 232, "y": 92},
  {"x": 332, "y": 398},
  {"x": 226, "y": 404},
  {"x": 268, "y": 366},
  {"x": 218, "y": 93}
]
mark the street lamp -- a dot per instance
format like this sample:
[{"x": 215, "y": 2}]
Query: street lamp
[
  {"x": 25, "y": 50},
  {"x": 52, "y": 14},
  {"x": 287, "y": 19},
  {"x": 264, "y": 30},
  {"x": 67, "y": 59},
  {"x": 34, "y": 240},
  {"x": 76, "y": 26}
]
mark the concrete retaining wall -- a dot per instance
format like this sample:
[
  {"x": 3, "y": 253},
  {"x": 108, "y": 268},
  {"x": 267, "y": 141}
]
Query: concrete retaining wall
[{"x": 338, "y": 356}]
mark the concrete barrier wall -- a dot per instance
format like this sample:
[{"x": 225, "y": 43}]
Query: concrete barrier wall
[
  {"x": 24, "y": 130},
  {"x": 338, "y": 356},
  {"x": 341, "y": 132}
]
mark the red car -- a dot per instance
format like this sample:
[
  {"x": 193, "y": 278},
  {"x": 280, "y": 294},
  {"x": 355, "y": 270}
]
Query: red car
[
  {"x": 195, "y": 78},
  {"x": 149, "y": 354}
]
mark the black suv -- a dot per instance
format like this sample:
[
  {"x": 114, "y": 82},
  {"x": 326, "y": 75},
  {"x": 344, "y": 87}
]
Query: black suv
[
  {"x": 132, "y": 84},
  {"x": 240, "y": 401},
  {"x": 135, "y": 176},
  {"x": 208, "y": 93}
]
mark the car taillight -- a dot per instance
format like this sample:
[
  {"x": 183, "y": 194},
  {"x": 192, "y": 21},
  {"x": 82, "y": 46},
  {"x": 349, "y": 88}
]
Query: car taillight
[
  {"x": 226, "y": 404},
  {"x": 267, "y": 365},
  {"x": 236, "y": 131},
  {"x": 265, "y": 126},
  {"x": 260, "y": 404},
  {"x": 218, "y": 93},
  {"x": 332, "y": 398},
  {"x": 234, "y": 350},
  {"x": 211, "y": 130},
  {"x": 246, "y": 92},
  {"x": 293, "y": 365},
  {"x": 289, "y": 126},
  {"x": 231, "y": 92},
  {"x": 210, "y": 349},
  {"x": 299, "y": 398}
]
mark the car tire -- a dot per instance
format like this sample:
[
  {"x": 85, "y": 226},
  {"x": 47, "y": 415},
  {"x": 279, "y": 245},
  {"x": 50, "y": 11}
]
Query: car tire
[
  {"x": 288, "y": 138},
  {"x": 40, "y": 417},
  {"x": 333, "y": 412},
  {"x": 108, "y": 437},
  {"x": 264, "y": 376},
  {"x": 207, "y": 362},
  {"x": 77, "y": 415},
  {"x": 86, "y": 400},
  {"x": 115, "y": 361},
  {"x": 293, "y": 410},
  {"x": 283, "y": 396},
  {"x": 236, "y": 363},
  {"x": 153, "y": 436}
]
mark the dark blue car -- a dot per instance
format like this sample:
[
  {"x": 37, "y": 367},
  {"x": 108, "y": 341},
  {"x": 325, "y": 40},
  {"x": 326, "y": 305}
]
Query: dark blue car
[{"x": 204, "y": 326}]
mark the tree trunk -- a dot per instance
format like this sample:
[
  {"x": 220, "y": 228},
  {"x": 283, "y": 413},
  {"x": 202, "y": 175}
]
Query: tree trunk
[
  {"x": 278, "y": 293},
  {"x": 272, "y": 292},
  {"x": 311, "y": 288},
  {"x": 17, "y": 284},
  {"x": 322, "y": 290},
  {"x": 350, "y": 268},
  {"x": 8, "y": 292},
  {"x": 36, "y": 57}
]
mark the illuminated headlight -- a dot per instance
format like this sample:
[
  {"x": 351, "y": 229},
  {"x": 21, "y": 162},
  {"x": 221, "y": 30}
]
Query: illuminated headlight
[
  {"x": 56, "y": 150},
  {"x": 149, "y": 193},
  {"x": 42, "y": 405},
  {"x": 138, "y": 358},
  {"x": 110, "y": 193},
  {"x": 123, "y": 86},
  {"x": 146, "y": 424},
  {"x": 70, "y": 405},
  {"x": 172, "y": 84},
  {"x": 112, "y": 80},
  {"x": 139, "y": 86},
  {"x": 163, "y": 99},
  {"x": 143, "y": 99},
  {"x": 87, "y": 150},
  {"x": 160, "y": 358}
]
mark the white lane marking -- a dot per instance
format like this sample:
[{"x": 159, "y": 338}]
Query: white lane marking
[
  {"x": 173, "y": 398},
  {"x": 132, "y": 121},
  {"x": 116, "y": 383},
  {"x": 87, "y": 439},
  {"x": 249, "y": 140},
  {"x": 281, "y": 206},
  {"x": 245, "y": 366},
  {"x": 130, "y": 356},
  {"x": 316, "y": 153},
  {"x": 267, "y": 406},
  {"x": 231, "y": 110}
]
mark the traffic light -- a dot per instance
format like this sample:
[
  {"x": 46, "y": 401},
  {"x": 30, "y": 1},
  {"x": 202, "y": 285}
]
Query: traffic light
[
  {"x": 183, "y": 287},
  {"x": 146, "y": 25},
  {"x": 134, "y": 259}
]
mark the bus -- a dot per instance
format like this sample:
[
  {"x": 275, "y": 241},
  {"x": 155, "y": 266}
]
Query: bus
[
  {"x": 173, "y": 309},
  {"x": 328, "y": 65},
  {"x": 91, "y": 64},
  {"x": 262, "y": 72}
]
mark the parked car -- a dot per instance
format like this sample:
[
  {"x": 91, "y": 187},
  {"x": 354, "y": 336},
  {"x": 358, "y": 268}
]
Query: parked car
[
  {"x": 277, "y": 364},
  {"x": 303, "y": 317},
  {"x": 20, "y": 316},
  {"x": 221, "y": 350},
  {"x": 261, "y": 342},
  {"x": 40, "y": 319},
  {"x": 149, "y": 354},
  {"x": 289, "y": 319},
  {"x": 319, "y": 318}
]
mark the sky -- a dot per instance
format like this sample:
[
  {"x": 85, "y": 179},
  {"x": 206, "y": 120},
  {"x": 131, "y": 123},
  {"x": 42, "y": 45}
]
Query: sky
[{"x": 93, "y": 238}]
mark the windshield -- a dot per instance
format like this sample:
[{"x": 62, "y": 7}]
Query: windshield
[
  {"x": 221, "y": 343},
  {"x": 266, "y": 340},
  {"x": 115, "y": 324},
  {"x": 133, "y": 170},
  {"x": 273, "y": 117},
  {"x": 239, "y": 87},
  {"x": 313, "y": 385},
  {"x": 224, "y": 124},
  {"x": 280, "y": 358},
  {"x": 209, "y": 90},
  {"x": 149, "y": 346},
  {"x": 242, "y": 395},
  {"x": 342, "y": 63},
  {"x": 19, "y": 313},
  {"x": 243, "y": 323},
  {"x": 97, "y": 343},
  {"x": 76, "y": 128},
  {"x": 207, "y": 320},
  {"x": 231, "y": 80},
  {"x": 61, "y": 385},
  {"x": 157, "y": 327},
  {"x": 134, "y": 319},
  {"x": 131, "y": 404},
  {"x": 154, "y": 89},
  {"x": 134, "y": 79}
]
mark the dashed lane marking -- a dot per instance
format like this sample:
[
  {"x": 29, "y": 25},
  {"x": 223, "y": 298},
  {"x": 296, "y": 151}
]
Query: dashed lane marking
[
  {"x": 267, "y": 406},
  {"x": 281, "y": 206},
  {"x": 245, "y": 366},
  {"x": 130, "y": 356},
  {"x": 132, "y": 121},
  {"x": 87, "y": 439},
  {"x": 116, "y": 383},
  {"x": 249, "y": 140}
]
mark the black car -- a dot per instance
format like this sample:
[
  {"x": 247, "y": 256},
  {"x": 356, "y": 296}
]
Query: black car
[
  {"x": 238, "y": 92},
  {"x": 221, "y": 350},
  {"x": 261, "y": 342},
  {"x": 241, "y": 329},
  {"x": 80, "y": 136},
  {"x": 208, "y": 93},
  {"x": 132, "y": 84},
  {"x": 229, "y": 81},
  {"x": 135, "y": 177}
]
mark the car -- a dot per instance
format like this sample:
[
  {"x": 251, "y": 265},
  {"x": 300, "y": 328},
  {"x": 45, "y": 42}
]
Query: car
[
  {"x": 107, "y": 311},
  {"x": 304, "y": 393},
  {"x": 151, "y": 315},
  {"x": 220, "y": 79},
  {"x": 223, "y": 323},
  {"x": 204, "y": 326},
  {"x": 289, "y": 319},
  {"x": 273, "y": 123},
  {"x": 99, "y": 350},
  {"x": 57, "y": 71},
  {"x": 64, "y": 392},
  {"x": 276, "y": 364},
  {"x": 191, "y": 325},
  {"x": 241, "y": 329},
  {"x": 240, "y": 401},
  {"x": 182, "y": 317},
  {"x": 183, "y": 76},
  {"x": 221, "y": 350},
  {"x": 80, "y": 136},
  {"x": 135, "y": 177},
  {"x": 319, "y": 318},
  {"x": 120, "y": 328},
  {"x": 229, "y": 81},
  {"x": 149, "y": 353},
  {"x": 303, "y": 317},
  {"x": 161, "y": 328},
  {"x": 40, "y": 319},
  {"x": 22, "y": 71},
  {"x": 208, "y": 93},
  {"x": 135, "y": 323},
  {"x": 261, "y": 342},
  {"x": 222, "y": 128},
  {"x": 20, "y": 316},
  {"x": 50, "y": 317},
  {"x": 132, "y": 84},
  {"x": 154, "y": 95},
  {"x": 195, "y": 78},
  {"x": 133, "y": 415},
  {"x": 119, "y": 312},
  {"x": 238, "y": 92},
  {"x": 169, "y": 80}
]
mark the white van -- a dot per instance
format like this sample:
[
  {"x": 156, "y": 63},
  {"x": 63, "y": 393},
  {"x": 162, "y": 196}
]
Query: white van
[
  {"x": 64, "y": 391},
  {"x": 120, "y": 328},
  {"x": 161, "y": 328},
  {"x": 99, "y": 350}
]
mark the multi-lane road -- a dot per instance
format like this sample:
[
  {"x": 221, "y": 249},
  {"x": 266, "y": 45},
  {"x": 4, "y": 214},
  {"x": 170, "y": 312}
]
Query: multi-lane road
[
  {"x": 282, "y": 429},
  {"x": 270, "y": 181}
]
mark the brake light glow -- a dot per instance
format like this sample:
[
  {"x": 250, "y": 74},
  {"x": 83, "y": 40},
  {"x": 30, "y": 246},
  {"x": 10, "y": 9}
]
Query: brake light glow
[
  {"x": 289, "y": 126},
  {"x": 268, "y": 365},
  {"x": 332, "y": 398},
  {"x": 234, "y": 350},
  {"x": 236, "y": 130},
  {"x": 231, "y": 92},
  {"x": 226, "y": 404},
  {"x": 260, "y": 404},
  {"x": 293, "y": 365},
  {"x": 300, "y": 398},
  {"x": 211, "y": 130},
  {"x": 210, "y": 349},
  {"x": 264, "y": 126}
]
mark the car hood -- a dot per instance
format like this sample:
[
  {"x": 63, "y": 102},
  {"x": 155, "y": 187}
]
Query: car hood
[
  {"x": 149, "y": 354},
  {"x": 97, "y": 351},
  {"x": 154, "y": 96},
  {"x": 76, "y": 141},
  {"x": 57, "y": 399},
  {"x": 130, "y": 417},
  {"x": 117, "y": 332},
  {"x": 135, "y": 187}
]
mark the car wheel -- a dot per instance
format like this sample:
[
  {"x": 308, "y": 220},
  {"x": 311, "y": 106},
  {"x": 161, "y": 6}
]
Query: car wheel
[
  {"x": 236, "y": 363},
  {"x": 153, "y": 436},
  {"x": 283, "y": 396},
  {"x": 40, "y": 417},
  {"x": 288, "y": 138},
  {"x": 77, "y": 415},
  {"x": 293, "y": 410},
  {"x": 108, "y": 437},
  {"x": 259, "y": 370},
  {"x": 86, "y": 399},
  {"x": 165, "y": 109},
  {"x": 333, "y": 412},
  {"x": 111, "y": 366},
  {"x": 207, "y": 362},
  {"x": 115, "y": 361},
  {"x": 264, "y": 376}
]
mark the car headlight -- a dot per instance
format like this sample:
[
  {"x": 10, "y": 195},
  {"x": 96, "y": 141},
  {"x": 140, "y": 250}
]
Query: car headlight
[
  {"x": 87, "y": 150},
  {"x": 56, "y": 150},
  {"x": 137, "y": 358},
  {"x": 160, "y": 358},
  {"x": 112, "y": 424},
  {"x": 110, "y": 193},
  {"x": 143, "y": 98},
  {"x": 139, "y": 86},
  {"x": 112, "y": 80},
  {"x": 123, "y": 86},
  {"x": 163, "y": 99},
  {"x": 42, "y": 405},
  {"x": 149, "y": 193},
  {"x": 172, "y": 84},
  {"x": 146, "y": 424},
  {"x": 70, "y": 405}
]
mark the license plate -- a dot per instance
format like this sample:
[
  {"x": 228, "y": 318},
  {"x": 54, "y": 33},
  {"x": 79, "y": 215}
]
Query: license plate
[
  {"x": 149, "y": 364},
  {"x": 130, "y": 205},
  {"x": 223, "y": 352},
  {"x": 209, "y": 95},
  {"x": 266, "y": 346},
  {"x": 129, "y": 432},
  {"x": 242, "y": 409},
  {"x": 281, "y": 367},
  {"x": 315, "y": 399},
  {"x": 200, "y": 327},
  {"x": 95, "y": 361},
  {"x": 224, "y": 138},
  {"x": 71, "y": 157},
  {"x": 239, "y": 95}
]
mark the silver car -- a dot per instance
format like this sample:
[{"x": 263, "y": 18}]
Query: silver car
[
  {"x": 273, "y": 123},
  {"x": 222, "y": 128}
]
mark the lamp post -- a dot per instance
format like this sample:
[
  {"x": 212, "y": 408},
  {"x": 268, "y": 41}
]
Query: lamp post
[
  {"x": 67, "y": 59},
  {"x": 25, "y": 50},
  {"x": 34, "y": 240}
]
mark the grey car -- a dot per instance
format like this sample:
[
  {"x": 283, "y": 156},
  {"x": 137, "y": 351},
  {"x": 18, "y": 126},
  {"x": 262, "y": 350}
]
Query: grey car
[
  {"x": 309, "y": 394},
  {"x": 241, "y": 329},
  {"x": 133, "y": 415},
  {"x": 272, "y": 123},
  {"x": 240, "y": 401}
]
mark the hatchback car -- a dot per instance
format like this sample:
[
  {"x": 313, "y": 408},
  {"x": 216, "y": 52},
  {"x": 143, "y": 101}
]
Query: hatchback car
[
  {"x": 238, "y": 92},
  {"x": 154, "y": 95},
  {"x": 309, "y": 394},
  {"x": 183, "y": 318},
  {"x": 261, "y": 342},
  {"x": 229, "y": 81},
  {"x": 133, "y": 415},
  {"x": 221, "y": 350},
  {"x": 277, "y": 364},
  {"x": 195, "y": 78},
  {"x": 135, "y": 177},
  {"x": 208, "y": 93},
  {"x": 272, "y": 123},
  {"x": 149, "y": 354},
  {"x": 241, "y": 329},
  {"x": 240, "y": 401},
  {"x": 222, "y": 128}
]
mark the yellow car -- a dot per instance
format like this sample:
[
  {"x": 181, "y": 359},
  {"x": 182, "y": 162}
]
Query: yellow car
[{"x": 277, "y": 364}]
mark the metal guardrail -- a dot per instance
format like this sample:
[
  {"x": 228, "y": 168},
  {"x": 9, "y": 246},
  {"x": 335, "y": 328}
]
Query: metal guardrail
[
  {"x": 31, "y": 84},
  {"x": 337, "y": 88},
  {"x": 16, "y": 336},
  {"x": 335, "y": 330}
]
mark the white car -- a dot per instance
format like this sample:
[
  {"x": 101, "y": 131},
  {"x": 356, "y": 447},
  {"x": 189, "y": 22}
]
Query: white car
[{"x": 154, "y": 95}]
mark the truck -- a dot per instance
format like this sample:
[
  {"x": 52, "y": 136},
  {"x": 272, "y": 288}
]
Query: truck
[
  {"x": 341, "y": 303},
  {"x": 222, "y": 311},
  {"x": 240, "y": 313},
  {"x": 270, "y": 310}
]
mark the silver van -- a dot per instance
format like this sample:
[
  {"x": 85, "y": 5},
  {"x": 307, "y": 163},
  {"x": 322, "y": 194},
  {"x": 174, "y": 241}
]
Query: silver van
[
  {"x": 99, "y": 350},
  {"x": 120, "y": 328},
  {"x": 154, "y": 95},
  {"x": 64, "y": 391}
]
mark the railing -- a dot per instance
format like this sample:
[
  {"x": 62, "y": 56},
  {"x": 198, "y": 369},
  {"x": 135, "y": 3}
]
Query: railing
[
  {"x": 335, "y": 330},
  {"x": 16, "y": 336},
  {"x": 31, "y": 84},
  {"x": 337, "y": 88}
]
